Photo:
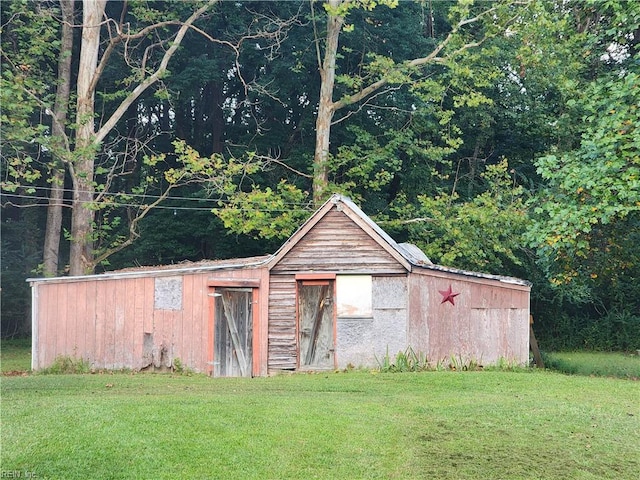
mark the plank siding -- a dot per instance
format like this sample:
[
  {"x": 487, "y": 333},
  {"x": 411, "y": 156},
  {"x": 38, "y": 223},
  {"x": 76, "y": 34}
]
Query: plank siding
[
  {"x": 46, "y": 309},
  {"x": 80, "y": 322},
  {"x": 185, "y": 349},
  {"x": 198, "y": 353},
  {"x": 488, "y": 323},
  {"x": 121, "y": 342},
  {"x": 90, "y": 321},
  {"x": 337, "y": 244},
  {"x": 138, "y": 324},
  {"x": 128, "y": 310},
  {"x": 63, "y": 322},
  {"x": 110, "y": 323},
  {"x": 114, "y": 320},
  {"x": 282, "y": 323}
]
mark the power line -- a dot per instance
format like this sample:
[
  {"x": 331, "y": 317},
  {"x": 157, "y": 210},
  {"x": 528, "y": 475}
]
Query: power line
[
  {"x": 136, "y": 195},
  {"x": 139, "y": 195},
  {"x": 159, "y": 207}
]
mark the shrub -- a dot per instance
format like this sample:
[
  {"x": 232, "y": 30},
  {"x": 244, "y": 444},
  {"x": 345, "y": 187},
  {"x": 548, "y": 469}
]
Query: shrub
[{"x": 617, "y": 330}]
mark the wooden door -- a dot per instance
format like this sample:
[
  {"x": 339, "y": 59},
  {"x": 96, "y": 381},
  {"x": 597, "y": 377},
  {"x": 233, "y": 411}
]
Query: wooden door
[
  {"x": 233, "y": 332},
  {"x": 316, "y": 324}
]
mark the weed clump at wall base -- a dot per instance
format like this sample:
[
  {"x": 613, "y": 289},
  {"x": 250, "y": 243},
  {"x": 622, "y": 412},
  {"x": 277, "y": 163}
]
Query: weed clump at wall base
[
  {"x": 410, "y": 361},
  {"x": 407, "y": 361},
  {"x": 67, "y": 365}
]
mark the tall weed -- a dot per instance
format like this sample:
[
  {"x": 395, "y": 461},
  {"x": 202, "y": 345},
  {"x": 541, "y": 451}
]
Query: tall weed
[
  {"x": 407, "y": 361},
  {"x": 65, "y": 364}
]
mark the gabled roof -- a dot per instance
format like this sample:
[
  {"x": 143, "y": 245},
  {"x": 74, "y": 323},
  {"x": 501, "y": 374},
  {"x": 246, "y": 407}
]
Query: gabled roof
[{"x": 406, "y": 254}]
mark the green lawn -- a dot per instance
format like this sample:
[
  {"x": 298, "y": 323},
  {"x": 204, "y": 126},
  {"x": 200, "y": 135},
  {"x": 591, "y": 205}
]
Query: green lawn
[
  {"x": 357, "y": 425},
  {"x": 595, "y": 363}
]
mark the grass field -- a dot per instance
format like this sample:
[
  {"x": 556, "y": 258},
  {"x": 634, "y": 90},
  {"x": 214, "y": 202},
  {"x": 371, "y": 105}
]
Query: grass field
[
  {"x": 357, "y": 425},
  {"x": 432, "y": 425},
  {"x": 595, "y": 363}
]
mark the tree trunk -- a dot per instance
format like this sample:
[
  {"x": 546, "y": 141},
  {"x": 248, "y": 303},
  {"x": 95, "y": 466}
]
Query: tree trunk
[
  {"x": 326, "y": 107},
  {"x": 81, "y": 256},
  {"x": 217, "y": 116},
  {"x": 54, "y": 209},
  {"x": 88, "y": 140}
]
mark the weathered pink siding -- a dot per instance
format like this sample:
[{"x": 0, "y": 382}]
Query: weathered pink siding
[
  {"x": 148, "y": 318},
  {"x": 105, "y": 319},
  {"x": 337, "y": 244},
  {"x": 488, "y": 323}
]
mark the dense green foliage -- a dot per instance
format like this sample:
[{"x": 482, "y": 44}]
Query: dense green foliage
[{"x": 498, "y": 136}]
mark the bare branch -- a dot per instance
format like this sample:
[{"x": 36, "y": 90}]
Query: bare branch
[
  {"x": 433, "y": 57},
  {"x": 151, "y": 79},
  {"x": 283, "y": 164},
  {"x": 366, "y": 103},
  {"x": 316, "y": 38}
]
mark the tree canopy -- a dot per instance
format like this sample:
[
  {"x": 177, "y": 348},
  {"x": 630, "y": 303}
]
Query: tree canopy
[{"x": 500, "y": 136}]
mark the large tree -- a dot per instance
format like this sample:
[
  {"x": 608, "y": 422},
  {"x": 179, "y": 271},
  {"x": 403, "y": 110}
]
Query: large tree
[
  {"x": 587, "y": 208},
  {"x": 106, "y": 33},
  {"x": 88, "y": 139},
  {"x": 51, "y": 253},
  {"x": 396, "y": 98}
]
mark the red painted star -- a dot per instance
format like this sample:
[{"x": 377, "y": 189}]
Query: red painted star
[{"x": 448, "y": 296}]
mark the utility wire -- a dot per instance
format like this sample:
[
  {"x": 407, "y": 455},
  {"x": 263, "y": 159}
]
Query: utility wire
[
  {"x": 160, "y": 207},
  {"x": 137, "y": 195}
]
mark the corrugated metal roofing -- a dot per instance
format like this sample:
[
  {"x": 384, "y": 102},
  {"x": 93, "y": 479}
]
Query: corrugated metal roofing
[{"x": 165, "y": 270}]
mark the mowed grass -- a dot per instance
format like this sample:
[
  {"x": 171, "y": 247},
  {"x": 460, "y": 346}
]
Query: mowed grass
[
  {"x": 595, "y": 363},
  {"x": 356, "y": 425}
]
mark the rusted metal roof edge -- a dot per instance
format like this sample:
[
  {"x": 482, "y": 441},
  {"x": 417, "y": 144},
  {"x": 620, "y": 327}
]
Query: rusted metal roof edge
[
  {"x": 468, "y": 273},
  {"x": 157, "y": 272}
]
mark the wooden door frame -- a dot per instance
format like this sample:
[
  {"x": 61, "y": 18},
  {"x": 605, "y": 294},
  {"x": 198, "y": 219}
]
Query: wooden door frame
[
  {"x": 316, "y": 279},
  {"x": 254, "y": 285}
]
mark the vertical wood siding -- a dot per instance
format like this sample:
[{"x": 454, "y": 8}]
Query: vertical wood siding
[
  {"x": 489, "y": 321},
  {"x": 106, "y": 320},
  {"x": 118, "y": 321}
]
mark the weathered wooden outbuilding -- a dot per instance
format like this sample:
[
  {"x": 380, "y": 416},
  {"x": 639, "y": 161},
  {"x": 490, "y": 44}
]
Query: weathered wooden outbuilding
[{"x": 339, "y": 292}]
